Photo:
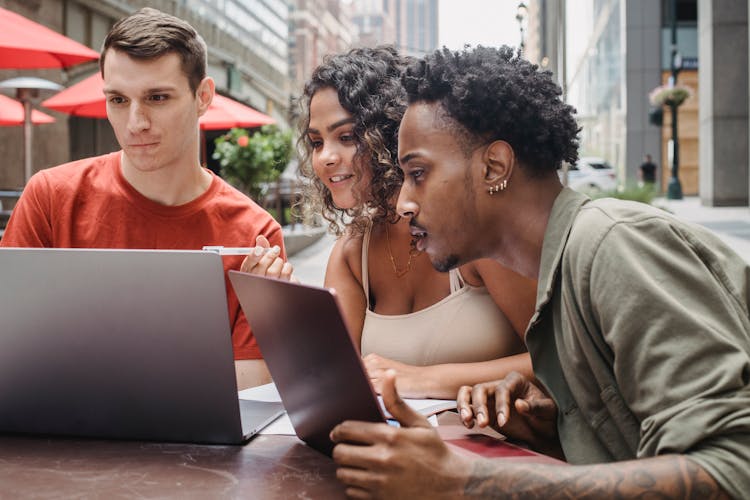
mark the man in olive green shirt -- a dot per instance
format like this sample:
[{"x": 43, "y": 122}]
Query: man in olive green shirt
[{"x": 641, "y": 337}]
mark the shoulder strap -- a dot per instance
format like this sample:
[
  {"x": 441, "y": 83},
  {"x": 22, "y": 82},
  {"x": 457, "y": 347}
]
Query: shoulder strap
[
  {"x": 365, "y": 252},
  {"x": 456, "y": 280}
]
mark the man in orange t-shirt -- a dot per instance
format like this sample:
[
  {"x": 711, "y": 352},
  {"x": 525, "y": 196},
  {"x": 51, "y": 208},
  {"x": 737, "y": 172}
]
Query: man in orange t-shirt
[{"x": 154, "y": 192}]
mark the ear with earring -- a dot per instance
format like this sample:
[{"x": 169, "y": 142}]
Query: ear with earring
[{"x": 498, "y": 187}]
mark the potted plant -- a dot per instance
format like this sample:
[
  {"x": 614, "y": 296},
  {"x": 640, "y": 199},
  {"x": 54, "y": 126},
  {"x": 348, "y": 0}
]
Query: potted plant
[
  {"x": 250, "y": 161},
  {"x": 666, "y": 95}
]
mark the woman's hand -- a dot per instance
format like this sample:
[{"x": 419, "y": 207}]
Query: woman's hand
[
  {"x": 265, "y": 261},
  {"x": 411, "y": 381}
]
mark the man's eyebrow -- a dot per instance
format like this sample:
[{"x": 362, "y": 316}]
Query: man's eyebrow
[
  {"x": 154, "y": 90},
  {"x": 333, "y": 126}
]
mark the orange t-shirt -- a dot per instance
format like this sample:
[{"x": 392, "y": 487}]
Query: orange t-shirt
[{"x": 89, "y": 204}]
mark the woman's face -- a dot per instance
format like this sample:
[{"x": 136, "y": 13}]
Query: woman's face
[{"x": 334, "y": 147}]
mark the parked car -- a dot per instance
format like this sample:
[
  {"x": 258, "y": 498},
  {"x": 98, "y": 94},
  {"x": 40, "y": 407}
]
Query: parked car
[{"x": 592, "y": 175}]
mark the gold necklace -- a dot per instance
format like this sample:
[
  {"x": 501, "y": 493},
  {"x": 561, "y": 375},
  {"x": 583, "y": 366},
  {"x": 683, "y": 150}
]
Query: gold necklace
[{"x": 412, "y": 252}]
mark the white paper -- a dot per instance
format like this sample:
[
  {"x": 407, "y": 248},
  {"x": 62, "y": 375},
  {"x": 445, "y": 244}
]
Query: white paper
[{"x": 282, "y": 425}]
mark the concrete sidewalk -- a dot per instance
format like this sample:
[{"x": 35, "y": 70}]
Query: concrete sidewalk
[
  {"x": 310, "y": 263},
  {"x": 731, "y": 224}
]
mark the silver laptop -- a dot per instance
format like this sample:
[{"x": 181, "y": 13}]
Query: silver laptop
[
  {"x": 316, "y": 367},
  {"x": 122, "y": 344}
]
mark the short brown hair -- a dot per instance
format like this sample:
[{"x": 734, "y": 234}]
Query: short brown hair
[{"x": 150, "y": 33}]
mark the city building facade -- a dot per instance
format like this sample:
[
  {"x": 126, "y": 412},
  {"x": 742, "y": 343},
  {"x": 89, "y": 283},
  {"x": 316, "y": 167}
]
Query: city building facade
[
  {"x": 317, "y": 28},
  {"x": 410, "y": 25},
  {"x": 609, "y": 55}
]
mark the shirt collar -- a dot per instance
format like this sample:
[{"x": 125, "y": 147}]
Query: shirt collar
[{"x": 563, "y": 214}]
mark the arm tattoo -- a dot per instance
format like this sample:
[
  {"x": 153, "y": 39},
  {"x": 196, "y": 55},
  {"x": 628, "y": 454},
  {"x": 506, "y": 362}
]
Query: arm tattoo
[{"x": 671, "y": 476}]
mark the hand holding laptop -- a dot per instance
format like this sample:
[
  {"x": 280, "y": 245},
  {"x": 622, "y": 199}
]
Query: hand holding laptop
[{"x": 359, "y": 451}]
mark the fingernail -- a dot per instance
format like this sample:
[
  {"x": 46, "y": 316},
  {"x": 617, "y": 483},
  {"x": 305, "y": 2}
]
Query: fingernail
[
  {"x": 465, "y": 413},
  {"x": 258, "y": 251},
  {"x": 500, "y": 419}
]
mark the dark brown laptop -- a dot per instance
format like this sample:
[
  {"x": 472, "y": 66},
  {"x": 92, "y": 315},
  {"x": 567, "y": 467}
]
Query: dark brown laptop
[{"x": 312, "y": 359}]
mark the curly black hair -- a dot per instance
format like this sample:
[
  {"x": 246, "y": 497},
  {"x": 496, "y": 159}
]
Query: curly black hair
[
  {"x": 368, "y": 84},
  {"x": 494, "y": 94}
]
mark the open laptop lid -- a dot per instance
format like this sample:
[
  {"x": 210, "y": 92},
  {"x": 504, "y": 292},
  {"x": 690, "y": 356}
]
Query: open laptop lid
[
  {"x": 312, "y": 359},
  {"x": 126, "y": 344}
]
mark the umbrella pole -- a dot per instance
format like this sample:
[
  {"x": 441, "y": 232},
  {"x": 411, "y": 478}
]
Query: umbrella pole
[{"x": 27, "y": 131}]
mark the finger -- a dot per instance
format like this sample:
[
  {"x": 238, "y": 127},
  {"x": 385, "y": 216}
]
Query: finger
[
  {"x": 463, "y": 404},
  {"x": 252, "y": 259},
  {"x": 479, "y": 404},
  {"x": 357, "y": 432},
  {"x": 541, "y": 408},
  {"x": 271, "y": 254},
  {"x": 249, "y": 263},
  {"x": 505, "y": 393},
  {"x": 262, "y": 241},
  {"x": 354, "y": 457},
  {"x": 358, "y": 493},
  {"x": 275, "y": 268},
  {"x": 356, "y": 477},
  {"x": 372, "y": 361},
  {"x": 286, "y": 271},
  {"x": 396, "y": 406},
  {"x": 263, "y": 266}
]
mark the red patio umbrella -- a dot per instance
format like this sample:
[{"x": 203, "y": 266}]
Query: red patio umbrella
[
  {"x": 86, "y": 98},
  {"x": 226, "y": 113},
  {"x": 12, "y": 113},
  {"x": 25, "y": 44}
]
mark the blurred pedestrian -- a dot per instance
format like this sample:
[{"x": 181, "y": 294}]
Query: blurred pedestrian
[{"x": 647, "y": 172}]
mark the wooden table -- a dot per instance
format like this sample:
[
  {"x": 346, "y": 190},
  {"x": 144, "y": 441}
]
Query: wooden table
[{"x": 268, "y": 467}]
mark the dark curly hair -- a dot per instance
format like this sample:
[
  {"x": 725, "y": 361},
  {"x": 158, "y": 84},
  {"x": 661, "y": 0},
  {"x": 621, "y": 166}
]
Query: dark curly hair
[
  {"x": 367, "y": 81},
  {"x": 492, "y": 93}
]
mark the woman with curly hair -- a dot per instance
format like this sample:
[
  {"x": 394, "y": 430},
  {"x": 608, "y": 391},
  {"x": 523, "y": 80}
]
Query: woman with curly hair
[{"x": 439, "y": 331}]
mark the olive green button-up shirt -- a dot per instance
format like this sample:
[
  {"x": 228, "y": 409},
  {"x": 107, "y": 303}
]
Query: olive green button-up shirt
[{"x": 642, "y": 336}]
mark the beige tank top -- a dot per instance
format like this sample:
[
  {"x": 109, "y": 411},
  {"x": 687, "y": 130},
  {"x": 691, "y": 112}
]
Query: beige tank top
[{"x": 466, "y": 326}]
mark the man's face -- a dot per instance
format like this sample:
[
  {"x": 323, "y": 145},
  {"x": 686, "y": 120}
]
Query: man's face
[
  {"x": 152, "y": 110},
  {"x": 438, "y": 192}
]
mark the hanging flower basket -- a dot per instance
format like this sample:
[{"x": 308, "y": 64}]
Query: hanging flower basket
[{"x": 664, "y": 95}]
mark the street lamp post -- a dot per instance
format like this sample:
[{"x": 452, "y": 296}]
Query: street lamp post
[
  {"x": 521, "y": 14},
  {"x": 674, "y": 189}
]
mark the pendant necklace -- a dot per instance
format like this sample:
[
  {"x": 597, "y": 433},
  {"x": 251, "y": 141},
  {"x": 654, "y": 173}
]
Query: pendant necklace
[{"x": 412, "y": 252}]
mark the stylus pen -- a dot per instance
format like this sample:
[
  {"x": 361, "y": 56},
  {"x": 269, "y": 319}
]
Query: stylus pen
[{"x": 232, "y": 250}]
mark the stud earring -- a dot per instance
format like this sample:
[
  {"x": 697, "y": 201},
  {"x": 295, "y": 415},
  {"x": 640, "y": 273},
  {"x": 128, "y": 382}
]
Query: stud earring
[{"x": 498, "y": 187}]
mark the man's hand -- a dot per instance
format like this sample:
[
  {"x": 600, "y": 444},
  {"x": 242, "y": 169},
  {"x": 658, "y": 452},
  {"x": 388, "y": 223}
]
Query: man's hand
[
  {"x": 265, "y": 261},
  {"x": 513, "y": 406},
  {"x": 411, "y": 381},
  {"x": 383, "y": 461}
]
